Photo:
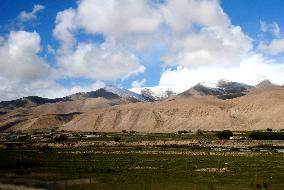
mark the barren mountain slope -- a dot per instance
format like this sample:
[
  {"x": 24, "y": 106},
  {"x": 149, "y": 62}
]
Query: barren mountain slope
[
  {"x": 51, "y": 115},
  {"x": 35, "y": 112},
  {"x": 259, "y": 109},
  {"x": 183, "y": 113}
]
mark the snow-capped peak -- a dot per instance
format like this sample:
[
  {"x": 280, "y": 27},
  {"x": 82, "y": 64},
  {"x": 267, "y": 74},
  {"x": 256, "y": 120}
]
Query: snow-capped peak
[
  {"x": 126, "y": 94},
  {"x": 220, "y": 87},
  {"x": 159, "y": 92}
]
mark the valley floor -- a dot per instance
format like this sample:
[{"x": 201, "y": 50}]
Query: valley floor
[{"x": 142, "y": 161}]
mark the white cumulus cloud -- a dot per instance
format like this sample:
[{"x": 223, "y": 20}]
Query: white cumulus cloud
[
  {"x": 88, "y": 88},
  {"x": 138, "y": 83},
  {"x": 181, "y": 15},
  {"x": 251, "y": 70},
  {"x": 65, "y": 26},
  {"x": 109, "y": 60},
  {"x": 272, "y": 28},
  {"x": 23, "y": 71},
  {"x": 100, "y": 62},
  {"x": 276, "y": 46},
  {"x": 29, "y": 16},
  {"x": 19, "y": 59},
  {"x": 117, "y": 18},
  {"x": 213, "y": 45}
]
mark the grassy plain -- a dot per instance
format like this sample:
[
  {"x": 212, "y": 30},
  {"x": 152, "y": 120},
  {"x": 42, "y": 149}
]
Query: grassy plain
[{"x": 122, "y": 164}]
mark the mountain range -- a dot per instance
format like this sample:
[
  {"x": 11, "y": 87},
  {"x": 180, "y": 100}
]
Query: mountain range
[{"x": 229, "y": 105}]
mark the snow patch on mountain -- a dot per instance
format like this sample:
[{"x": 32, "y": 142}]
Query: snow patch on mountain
[
  {"x": 125, "y": 94},
  {"x": 160, "y": 92},
  {"x": 216, "y": 88}
]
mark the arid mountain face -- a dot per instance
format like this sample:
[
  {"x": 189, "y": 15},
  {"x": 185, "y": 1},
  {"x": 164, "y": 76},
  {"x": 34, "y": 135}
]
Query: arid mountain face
[{"x": 231, "y": 106}]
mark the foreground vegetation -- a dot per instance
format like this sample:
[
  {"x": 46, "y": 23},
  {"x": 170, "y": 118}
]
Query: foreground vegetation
[{"x": 125, "y": 161}]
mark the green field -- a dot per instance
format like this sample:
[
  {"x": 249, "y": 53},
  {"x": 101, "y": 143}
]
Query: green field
[{"x": 139, "y": 167}]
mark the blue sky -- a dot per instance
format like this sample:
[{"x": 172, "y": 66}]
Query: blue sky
[
  {"x": 248, "y": 14},
  {"x": 149, "y": 46}
]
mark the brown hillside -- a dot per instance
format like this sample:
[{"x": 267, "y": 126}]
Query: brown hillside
[{"x": 259, "y": 109}]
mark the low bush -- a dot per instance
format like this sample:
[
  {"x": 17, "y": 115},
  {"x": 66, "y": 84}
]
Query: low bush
[
  {"x": 124, "y": 131},
  {"x": 24, "y": 137},
  {"x": 133, "y": 132},
  {"x": 182, "y": 132},
  {"x": 199, "y": 132},
  {"x": 61, "y": 138},
  {"x": 235, "y": 149},
  {"x": 116, "y": 139}
]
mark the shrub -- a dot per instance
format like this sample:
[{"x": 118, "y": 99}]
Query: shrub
[
  {"x": 61, "y": 138},
  {"x": 116, "y": 139},
  {"x": 226, "y": 134},
  {"x": 132, "y": 132},
  {"x": 77, "y": 135},
  {"x": 235, "y": 149},
  {"x": 199, "y": 132},
  {"x": 24, "y": 137},
  {"x": 182, "y": 132},
  {"x": 268, "y": 129}
]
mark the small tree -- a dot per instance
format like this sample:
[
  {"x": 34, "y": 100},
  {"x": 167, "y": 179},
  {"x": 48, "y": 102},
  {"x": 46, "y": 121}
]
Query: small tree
[{"x": 226, "y": 134}]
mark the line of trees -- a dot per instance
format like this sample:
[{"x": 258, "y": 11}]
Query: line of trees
[{"x": 258, "y": 135}]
